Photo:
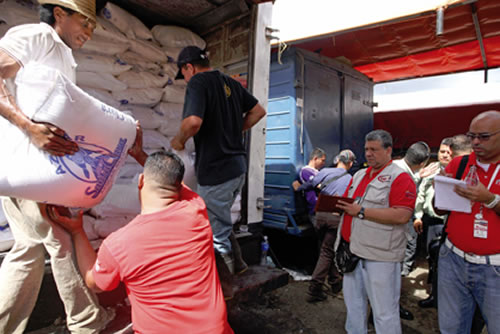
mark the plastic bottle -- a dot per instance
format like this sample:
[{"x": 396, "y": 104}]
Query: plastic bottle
[
  {"x": 264, "y": 246},
  {"x": 472, "y": 179}
]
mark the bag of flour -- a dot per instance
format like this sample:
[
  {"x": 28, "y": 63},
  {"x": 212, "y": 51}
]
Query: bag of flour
[{"x": 102, "y": 133}]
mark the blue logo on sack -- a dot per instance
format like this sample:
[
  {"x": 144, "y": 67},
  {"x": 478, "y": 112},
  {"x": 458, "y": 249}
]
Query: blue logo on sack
[{"x": 92, "y": 164}]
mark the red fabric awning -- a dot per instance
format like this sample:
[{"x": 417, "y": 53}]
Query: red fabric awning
[{"x": 408, "y": 48}]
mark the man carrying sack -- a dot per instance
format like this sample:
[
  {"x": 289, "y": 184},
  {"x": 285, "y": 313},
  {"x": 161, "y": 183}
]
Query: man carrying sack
[{"x": 65, "y": 26}]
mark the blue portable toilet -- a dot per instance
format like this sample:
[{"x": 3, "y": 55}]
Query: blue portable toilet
[{"x": 314, "y": 101}]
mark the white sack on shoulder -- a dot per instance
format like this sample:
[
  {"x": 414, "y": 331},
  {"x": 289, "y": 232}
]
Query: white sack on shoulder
[
  {"x": 99, "y": 63},
  {"x": 126, "y": 22},
  {"x": 148, "y": 97},
  {"x": 104, "y": 81},
  {"x": 174, "y": 36},
  {"x": 143, "y": 79},
  {"x": 102, "y": 133}
]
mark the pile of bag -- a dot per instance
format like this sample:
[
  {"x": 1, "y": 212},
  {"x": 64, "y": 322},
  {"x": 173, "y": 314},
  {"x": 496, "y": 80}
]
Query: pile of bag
[{"x": 131, "y": 68}]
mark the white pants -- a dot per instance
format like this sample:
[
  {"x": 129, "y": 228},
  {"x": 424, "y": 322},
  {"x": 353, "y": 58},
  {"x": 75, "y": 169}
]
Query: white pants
[
  {"x": 380, "y": 283},
  {"x": 22, "y": 272}
]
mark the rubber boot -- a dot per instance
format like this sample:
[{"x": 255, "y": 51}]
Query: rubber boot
[{"x": 239, "y": 264}]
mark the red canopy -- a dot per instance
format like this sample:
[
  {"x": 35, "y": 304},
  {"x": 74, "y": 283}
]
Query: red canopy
[{"x": 409, "y": 47}]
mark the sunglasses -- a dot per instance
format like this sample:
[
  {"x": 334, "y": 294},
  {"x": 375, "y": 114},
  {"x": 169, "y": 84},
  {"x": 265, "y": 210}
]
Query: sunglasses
[{"x": 480, "y": 136}]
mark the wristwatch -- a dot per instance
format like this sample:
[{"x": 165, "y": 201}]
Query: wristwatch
[
  {"x": 493, "y": 203},
  {"x": 361, "y": 213}
]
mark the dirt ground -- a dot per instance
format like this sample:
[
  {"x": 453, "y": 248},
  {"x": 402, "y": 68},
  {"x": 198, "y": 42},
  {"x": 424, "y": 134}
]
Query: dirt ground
[{"x": 285, "y": 310}]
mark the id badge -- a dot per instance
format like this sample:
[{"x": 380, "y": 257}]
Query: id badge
[{"x": 480, "y": 227}]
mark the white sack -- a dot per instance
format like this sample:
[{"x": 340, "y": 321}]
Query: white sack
[
  {"x": 148, "y": 50},
  {"x": 153, "y": 140},
  {"x": 107, "y": 30},
  {"x": 126, "y": 22},
  {"x": 104, "y": 81},
  {"x": 174, "y": 36},
  {"x": 99, "y": 63},
  {"x": 105, "y": 226},
  {"x": 103, "y": 96},
  {"x": 189, "y": 172},
  {"x": 148, "y": 118},
  {"x": 174, "y": 94},
  {"x": 169, "y": 111},
  {"x": 122, "y": 200},
  {"x": 103, "y": 134},
  {"x": 143, "y": 79},
  {"x": 104, "y": 46},
  {"x": 172, "y": 53},
  {"x": 138, "y": 62},
  {"x": 130, "y": 170},
  {"x": 170, "y": 69},
  {"x": 148, "y": 97},
  {"x": 88, "y": 227},
  {"x": 169, "y": 128},
  {"x": 16, "y": 12}
]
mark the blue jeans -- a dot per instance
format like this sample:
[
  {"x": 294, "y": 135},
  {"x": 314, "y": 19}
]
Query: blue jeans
[
  {"x": 380, "y": 283},
  {"x": 219, "y": 199},
  {"x": 461, "y": 285}
]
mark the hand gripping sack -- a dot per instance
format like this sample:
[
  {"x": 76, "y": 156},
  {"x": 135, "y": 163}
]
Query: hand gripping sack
[{"x": 102, "y": 133}]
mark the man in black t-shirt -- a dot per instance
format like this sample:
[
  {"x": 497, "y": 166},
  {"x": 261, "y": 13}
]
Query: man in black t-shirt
[{"x": 217, "y": 109}]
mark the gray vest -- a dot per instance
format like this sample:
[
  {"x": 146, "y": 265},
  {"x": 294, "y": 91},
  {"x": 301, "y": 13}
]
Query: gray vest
[{"x": 371, "y": 240}]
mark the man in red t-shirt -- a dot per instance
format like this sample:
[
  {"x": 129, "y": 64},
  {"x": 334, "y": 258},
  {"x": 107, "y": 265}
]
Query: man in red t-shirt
[
  {"x": 469, "y": 261},
  {"x": 375, "y": 227},
  {"x": 165, "y": 256}
]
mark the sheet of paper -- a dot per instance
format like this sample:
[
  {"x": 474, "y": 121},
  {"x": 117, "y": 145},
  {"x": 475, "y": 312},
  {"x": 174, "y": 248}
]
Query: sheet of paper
[{"x": 446, "y": 198}]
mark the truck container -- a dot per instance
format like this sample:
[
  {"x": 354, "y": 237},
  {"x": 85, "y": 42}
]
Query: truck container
[{"x": 314, "y": 101}]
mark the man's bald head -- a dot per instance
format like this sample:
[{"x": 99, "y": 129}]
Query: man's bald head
[{"x": 484, "y": 131}]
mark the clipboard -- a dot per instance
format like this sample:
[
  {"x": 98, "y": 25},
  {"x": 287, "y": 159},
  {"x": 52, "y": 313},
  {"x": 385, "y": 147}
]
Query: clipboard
[{"x": 327, "y": 203}]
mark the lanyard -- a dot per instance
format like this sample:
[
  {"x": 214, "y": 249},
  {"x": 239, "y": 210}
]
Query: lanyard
[{"x": 493, "y": 177}]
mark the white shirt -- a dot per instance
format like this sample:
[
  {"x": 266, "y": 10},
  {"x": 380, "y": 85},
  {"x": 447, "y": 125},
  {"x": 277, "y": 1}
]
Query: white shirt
[{"x": 38, "y": 43}]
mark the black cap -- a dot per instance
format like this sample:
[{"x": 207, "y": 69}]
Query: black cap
[{"x": 187, "y": 55}]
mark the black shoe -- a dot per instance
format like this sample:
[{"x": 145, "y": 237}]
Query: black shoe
[
  {"x": 315, "y": 294},
  {"x": 404, "y": 313},
  {"x": 336, "y": 287},
  {"x": 427, "y": 302}
]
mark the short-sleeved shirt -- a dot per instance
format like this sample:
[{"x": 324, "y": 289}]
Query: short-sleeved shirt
[
  {"x": 221, "y": 103},
  {"x": 166, "y": 261},
  {"x": 402, "y": 195},
  {"x": 306, "y": 174},
  {"x": 460, "y": 226},
  {"x": 39, "y": 43}
]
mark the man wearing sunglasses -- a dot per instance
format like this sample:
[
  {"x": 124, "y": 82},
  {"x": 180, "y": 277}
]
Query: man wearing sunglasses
[{"x": 469, "y": 260}]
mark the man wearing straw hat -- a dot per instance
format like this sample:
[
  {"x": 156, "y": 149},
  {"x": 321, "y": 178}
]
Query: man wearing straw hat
[{"x": 65, "y": 26}]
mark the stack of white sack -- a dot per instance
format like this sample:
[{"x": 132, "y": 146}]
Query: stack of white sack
[{"x": 131, "y": 68}]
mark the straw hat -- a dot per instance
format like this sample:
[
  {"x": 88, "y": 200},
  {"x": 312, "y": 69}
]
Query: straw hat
[{"x": 84, "y": 7}]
